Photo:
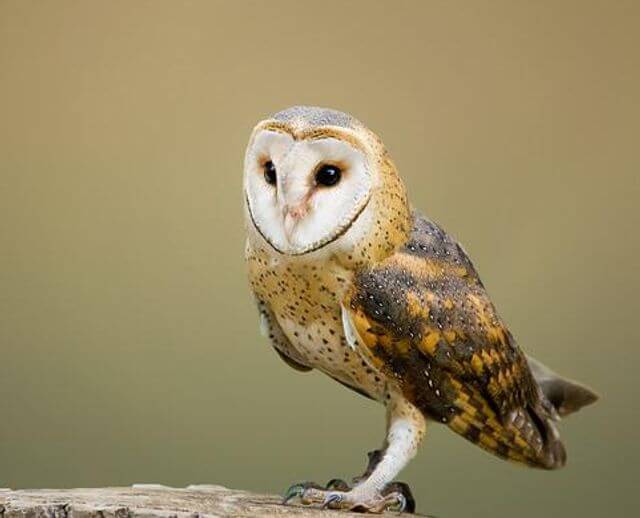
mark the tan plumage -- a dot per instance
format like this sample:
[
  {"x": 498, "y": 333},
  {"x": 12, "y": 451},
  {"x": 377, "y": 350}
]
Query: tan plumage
[
  {"x": 433, "y": 328},
  {"x": 353, "y": 282}
]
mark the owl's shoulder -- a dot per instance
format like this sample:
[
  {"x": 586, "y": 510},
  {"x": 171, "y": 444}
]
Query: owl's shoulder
[
  {"x": 430, "y": 258},
  {"x": 427, "y": 301},
  {"x": 431, "y": 243}
]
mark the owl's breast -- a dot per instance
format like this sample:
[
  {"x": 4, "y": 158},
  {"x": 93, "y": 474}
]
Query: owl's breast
[
  {"x": 322, "y": 343},
  {"x": 305, "y": 300}
]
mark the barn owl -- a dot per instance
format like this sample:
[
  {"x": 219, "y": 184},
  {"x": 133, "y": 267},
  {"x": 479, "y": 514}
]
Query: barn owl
[{"x": 352, "y": 281}]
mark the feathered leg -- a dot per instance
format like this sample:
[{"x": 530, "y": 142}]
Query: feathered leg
[{"x": 405, "y": 429}]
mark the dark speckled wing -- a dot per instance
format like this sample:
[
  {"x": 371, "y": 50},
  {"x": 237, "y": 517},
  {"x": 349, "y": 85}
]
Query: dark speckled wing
[{"x": 427, "y": 322}]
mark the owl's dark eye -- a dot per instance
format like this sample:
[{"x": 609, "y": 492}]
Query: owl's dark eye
[
  {"x": 269, "y": 172},
  {"x": 328, "y": 175}
]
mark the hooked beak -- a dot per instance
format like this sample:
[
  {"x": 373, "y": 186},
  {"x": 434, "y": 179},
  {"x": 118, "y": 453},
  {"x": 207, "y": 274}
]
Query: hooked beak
[{"x": 291, "y": 217}]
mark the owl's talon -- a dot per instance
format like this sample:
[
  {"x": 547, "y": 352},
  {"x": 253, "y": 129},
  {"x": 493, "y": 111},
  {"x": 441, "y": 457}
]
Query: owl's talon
[
  {"x": 294, "y": 491},
  {"x": 396, "y": 502},
  {"x": 396, "y": 496},
  {"x": 300, "y": 491},
  {"x": 332, "y": 500},
  {"x": 402, "y": 489}
]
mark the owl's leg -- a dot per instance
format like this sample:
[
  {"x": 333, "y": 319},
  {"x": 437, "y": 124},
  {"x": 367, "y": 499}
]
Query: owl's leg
[
  {"x": 376, "y": 493},
  {"x": 337, "y": 484},
  {"x": 373, "y": 458}
]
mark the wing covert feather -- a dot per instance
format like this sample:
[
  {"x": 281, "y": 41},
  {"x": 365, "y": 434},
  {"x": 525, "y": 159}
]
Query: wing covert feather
[{"x": 426, "y": 319}]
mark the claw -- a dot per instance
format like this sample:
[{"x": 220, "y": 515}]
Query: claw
[
  {"x": 402, "y": 489},
  {"x": 337, "y": 494},
  {"x": 400, "y": 503},
  {"x": 331, "y": 501},
  {"x": 298, "y": 491}
]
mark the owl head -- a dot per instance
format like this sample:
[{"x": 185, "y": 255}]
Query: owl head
[{"x": 316, "y": 180}]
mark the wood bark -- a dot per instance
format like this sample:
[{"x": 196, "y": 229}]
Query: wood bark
[{"x": 149, "y": 500}]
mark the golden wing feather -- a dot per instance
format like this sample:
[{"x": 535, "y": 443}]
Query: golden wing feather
[{"x": 426, "y": 320}]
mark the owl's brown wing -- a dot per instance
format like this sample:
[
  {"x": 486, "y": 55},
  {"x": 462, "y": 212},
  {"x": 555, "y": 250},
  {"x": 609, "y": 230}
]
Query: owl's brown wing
[{"x": 426, "y": 320}]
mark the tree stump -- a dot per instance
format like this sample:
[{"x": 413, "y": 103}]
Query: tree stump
[{"x": 150, "y": 500}]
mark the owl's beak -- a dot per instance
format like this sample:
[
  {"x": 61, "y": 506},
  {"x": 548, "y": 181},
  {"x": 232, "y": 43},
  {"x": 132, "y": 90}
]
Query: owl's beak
[{"x": 292, "y": 215}]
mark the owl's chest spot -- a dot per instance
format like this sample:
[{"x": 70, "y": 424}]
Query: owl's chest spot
[
  {"x": 322, "y": 343},
  {"x": 306, "y": 303}
]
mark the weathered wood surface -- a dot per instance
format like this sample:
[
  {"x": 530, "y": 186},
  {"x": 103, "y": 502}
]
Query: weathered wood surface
[{"x": 149, "y": 501}]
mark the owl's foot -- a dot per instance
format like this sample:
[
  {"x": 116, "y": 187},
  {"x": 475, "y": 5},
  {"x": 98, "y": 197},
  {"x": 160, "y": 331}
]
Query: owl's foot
[{"x": 337, "y": 495}]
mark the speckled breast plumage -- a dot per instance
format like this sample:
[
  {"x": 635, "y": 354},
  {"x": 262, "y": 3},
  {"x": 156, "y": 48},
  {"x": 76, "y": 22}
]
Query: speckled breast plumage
[
  {"x": 300, "y": 299},
  {"x": 425, "y": 328},
  {"x": 353, "y": 282}
]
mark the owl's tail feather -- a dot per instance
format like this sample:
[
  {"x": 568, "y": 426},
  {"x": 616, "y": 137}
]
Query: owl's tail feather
[
  {"x": 528, "y": 435},
  {"x": 566, "y": 396},
  {"x": 552, "y": 455}
]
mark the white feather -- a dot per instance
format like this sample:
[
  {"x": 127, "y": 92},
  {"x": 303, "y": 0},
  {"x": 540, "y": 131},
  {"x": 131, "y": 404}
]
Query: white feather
[
  {"x": 329, "y": 212},
  {"x": 264, "y": 325},
  {"x": 349, "y": 331}
]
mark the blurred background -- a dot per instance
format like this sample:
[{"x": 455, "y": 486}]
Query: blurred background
[{"x": 130, "y": 348}]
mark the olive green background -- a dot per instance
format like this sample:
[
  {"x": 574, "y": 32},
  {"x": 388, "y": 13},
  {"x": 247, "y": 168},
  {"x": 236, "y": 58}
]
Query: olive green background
[{"x": 130, "y": 349}]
